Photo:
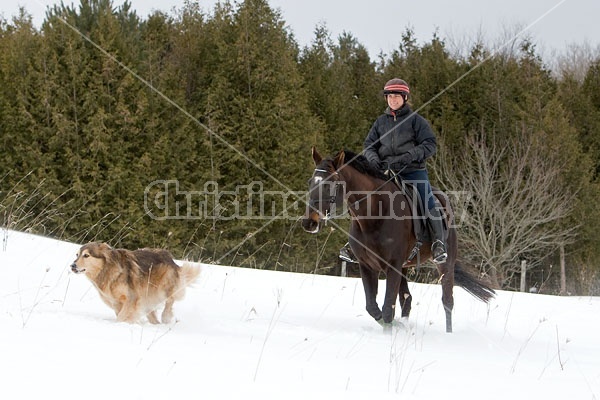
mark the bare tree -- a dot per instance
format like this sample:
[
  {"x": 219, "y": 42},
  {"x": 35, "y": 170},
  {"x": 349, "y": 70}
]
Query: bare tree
[
  {"x": 575, "y": 60},
  {"x": 512, "y": 206}
]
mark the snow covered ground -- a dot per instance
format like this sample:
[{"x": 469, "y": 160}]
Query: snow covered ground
[{"x": 252, "y": 334}]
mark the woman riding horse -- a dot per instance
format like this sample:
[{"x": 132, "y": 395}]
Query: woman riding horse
[
  {"x": 399, "y": 142},
  {"x": 381, "y": 232}
]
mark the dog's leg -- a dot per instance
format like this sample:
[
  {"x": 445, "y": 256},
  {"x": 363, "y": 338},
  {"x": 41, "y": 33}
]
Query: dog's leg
[
  {"x": 116, "y": 306},
  {"x": 128, "y": 312},
  {"x": 152, "y": 317},
  {"x": 167, "y": 314}
]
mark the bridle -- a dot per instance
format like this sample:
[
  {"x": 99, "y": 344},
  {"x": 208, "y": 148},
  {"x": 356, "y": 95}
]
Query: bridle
[
  {"x": 335, "y": 184},
  {"x": 332, "y": 198}
]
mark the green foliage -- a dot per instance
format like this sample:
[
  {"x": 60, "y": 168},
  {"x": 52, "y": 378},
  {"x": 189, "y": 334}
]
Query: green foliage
[
  {"x": 100, "y": 107},
  {"x": 343, "y": 86}
]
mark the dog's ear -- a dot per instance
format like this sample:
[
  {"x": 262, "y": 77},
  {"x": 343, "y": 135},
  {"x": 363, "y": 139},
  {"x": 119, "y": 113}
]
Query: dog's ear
[
  {"x": 99, "y": 250},
  {"x": 110, "y": 255}
]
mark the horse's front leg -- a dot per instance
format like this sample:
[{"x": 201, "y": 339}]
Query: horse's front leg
[
  {"x": 394, "y": 278},
  {"x": 370, "y": 280},
  {"x": 405, "y": 296}
]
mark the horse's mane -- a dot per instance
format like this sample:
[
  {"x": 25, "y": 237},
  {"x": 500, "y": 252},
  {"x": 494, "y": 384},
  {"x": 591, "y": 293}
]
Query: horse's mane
[{"x": 360, "y": 163}]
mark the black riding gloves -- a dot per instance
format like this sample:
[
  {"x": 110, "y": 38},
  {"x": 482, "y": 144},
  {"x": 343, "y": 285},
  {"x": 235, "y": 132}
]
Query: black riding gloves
[
  {"x": 376, "y": 163},
  {"x": 405, "y": 159}
]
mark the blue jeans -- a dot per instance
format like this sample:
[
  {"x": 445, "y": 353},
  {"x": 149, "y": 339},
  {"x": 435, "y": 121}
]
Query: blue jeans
[{"x": 420, "y": 179}]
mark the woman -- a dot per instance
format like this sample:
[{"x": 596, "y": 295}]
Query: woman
[{"x": 401, "y": 141}]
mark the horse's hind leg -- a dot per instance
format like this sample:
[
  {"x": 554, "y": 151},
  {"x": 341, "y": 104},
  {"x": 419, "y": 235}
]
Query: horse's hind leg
[
  {"x": 370, "y": 280},
  {"x": 405, "y": 297},
  {"x": 447, "y": 296}
]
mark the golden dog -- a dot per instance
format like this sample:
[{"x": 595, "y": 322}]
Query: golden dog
[{"x": 135, "y": 283}]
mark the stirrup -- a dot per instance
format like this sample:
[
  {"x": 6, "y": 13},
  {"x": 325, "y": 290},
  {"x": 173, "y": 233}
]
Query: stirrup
[
  {"x": 439, "y": 248},
  {"x": 347, "y": 255}
]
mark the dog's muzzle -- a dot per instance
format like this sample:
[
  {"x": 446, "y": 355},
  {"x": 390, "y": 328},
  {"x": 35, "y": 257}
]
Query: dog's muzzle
[{"x": 76, "y": 269}]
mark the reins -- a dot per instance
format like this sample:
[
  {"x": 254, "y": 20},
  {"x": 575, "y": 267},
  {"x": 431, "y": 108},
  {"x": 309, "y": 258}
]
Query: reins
[
  {"x": 395, "y": 176},
  {"x": 332, "y": 198}
]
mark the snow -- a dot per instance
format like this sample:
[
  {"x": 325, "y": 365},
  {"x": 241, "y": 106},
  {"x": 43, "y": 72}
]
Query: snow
[{"x": 252, "y": 334}]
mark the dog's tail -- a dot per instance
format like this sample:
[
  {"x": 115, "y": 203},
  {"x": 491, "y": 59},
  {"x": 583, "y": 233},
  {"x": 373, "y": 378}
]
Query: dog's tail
[{"x": 189, "y": 273}]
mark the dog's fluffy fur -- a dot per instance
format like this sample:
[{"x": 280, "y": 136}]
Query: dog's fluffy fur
[{"x": 135, "y": 283}]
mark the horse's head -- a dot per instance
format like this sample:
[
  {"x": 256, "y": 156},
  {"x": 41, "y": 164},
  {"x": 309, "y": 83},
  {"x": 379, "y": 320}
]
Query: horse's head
[{"x": 325, "y": 191}]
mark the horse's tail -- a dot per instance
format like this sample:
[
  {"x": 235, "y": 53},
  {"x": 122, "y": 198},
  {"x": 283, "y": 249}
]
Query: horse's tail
[{"x": 472, "y": 285}]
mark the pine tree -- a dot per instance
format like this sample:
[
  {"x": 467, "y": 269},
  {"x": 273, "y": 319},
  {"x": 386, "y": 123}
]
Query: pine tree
[
  {"x": 94, "y": 113},
  {"x": 28, "y": 184},
  {"x": 344, "y": 87},
  {"x": 258, "y": 116}
]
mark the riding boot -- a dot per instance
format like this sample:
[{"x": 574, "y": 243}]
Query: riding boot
[
  {"x": 346, "y": 254},
  {"x": 438, "y": 247}
]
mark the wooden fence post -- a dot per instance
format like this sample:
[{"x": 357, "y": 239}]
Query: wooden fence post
[
  {"x": 563, "y": 272},
  {"x": 523, "y": 275}
]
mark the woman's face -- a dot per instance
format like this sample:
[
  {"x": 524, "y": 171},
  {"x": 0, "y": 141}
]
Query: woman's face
[{"x": 395, "y": 101}]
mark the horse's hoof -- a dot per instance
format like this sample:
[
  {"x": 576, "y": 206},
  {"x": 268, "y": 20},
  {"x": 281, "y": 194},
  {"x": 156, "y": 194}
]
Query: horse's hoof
[
  {"x": 388, "y": 317},
  {"x": 401, "y": 324},
  {"x": 404, "y": 322},
  {"x": 375, "y": 314},
  {"x": 384, "y": 325}
]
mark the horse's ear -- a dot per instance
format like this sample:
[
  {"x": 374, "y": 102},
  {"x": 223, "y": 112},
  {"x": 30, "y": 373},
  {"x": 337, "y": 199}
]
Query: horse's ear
[
  {"x": 338, "y": 161},
  {"x": 316, "y": 156}
]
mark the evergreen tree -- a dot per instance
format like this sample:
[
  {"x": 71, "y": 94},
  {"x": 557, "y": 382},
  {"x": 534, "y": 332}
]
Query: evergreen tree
[
  {"x": 99, "y": 107},
  {"x": 21, "y": 100},
  {"x": 345, "y": 87},
  {"x": 93, "y": 131},
  {"x": 258, "y": 115}
]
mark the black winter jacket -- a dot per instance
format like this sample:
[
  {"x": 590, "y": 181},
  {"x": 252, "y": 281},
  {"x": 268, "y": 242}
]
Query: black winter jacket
[{"x": 396, "y": 133}]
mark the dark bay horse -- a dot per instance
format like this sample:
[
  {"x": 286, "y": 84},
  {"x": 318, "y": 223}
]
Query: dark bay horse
[{"x": 381, "y": 233}]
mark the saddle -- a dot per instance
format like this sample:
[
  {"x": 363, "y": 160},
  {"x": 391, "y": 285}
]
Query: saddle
[{"x": 420, "y": 226}]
